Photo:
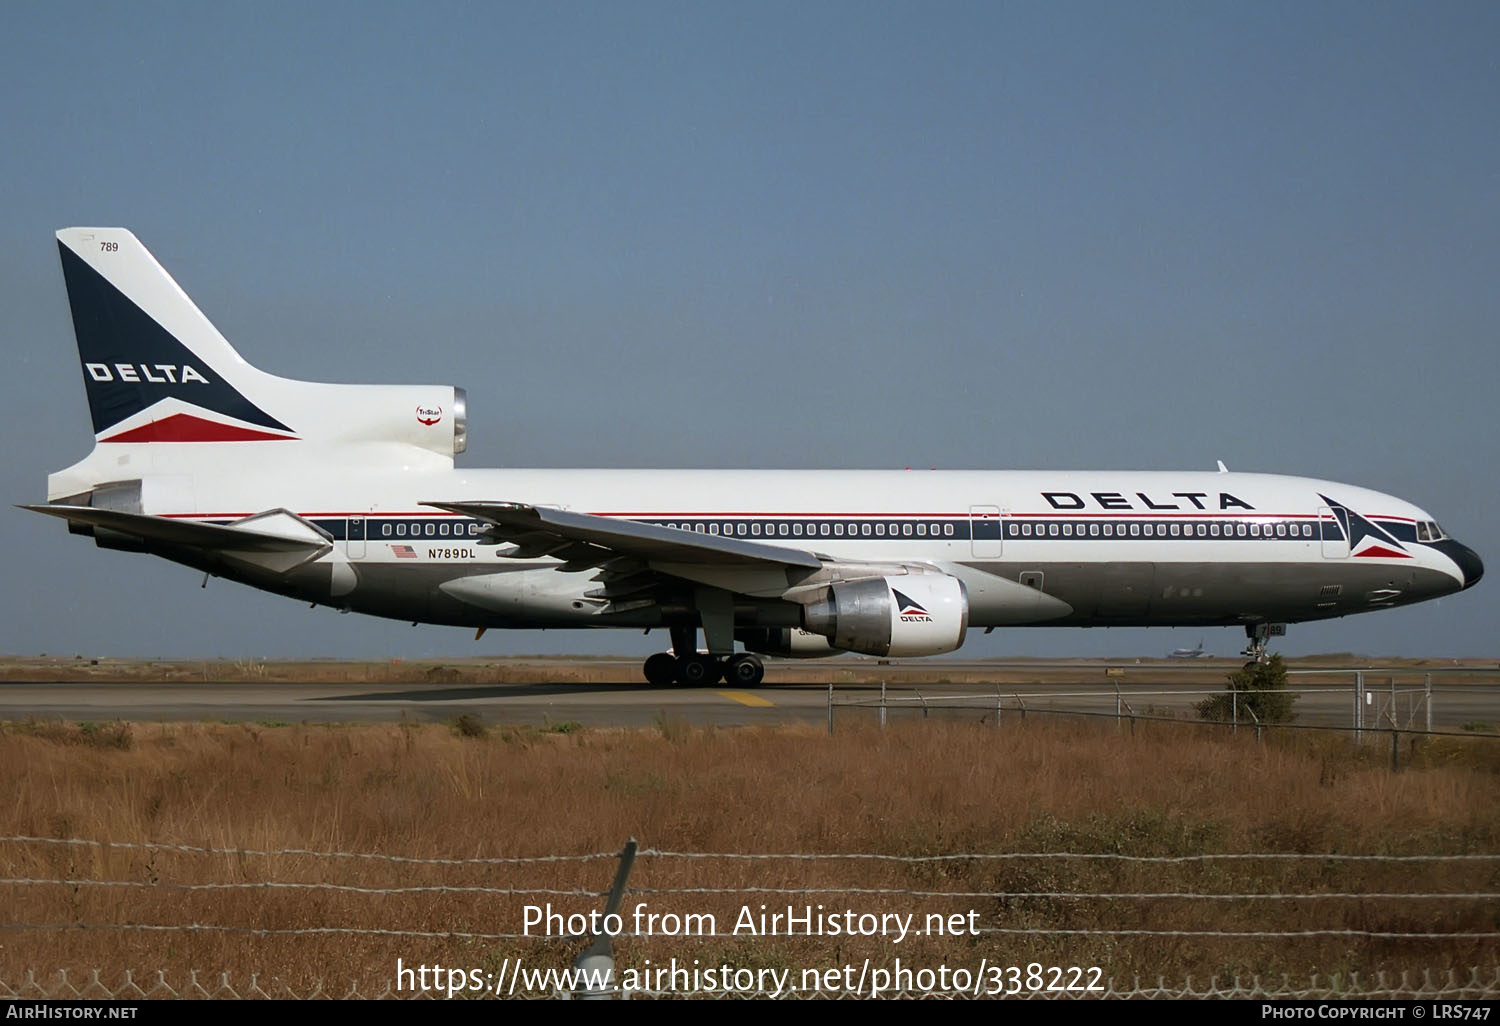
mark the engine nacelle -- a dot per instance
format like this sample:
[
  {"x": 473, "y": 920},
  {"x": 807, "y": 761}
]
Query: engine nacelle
[
  {"x": 916, "y": 615},
  {"x": 787, "y": 642}
]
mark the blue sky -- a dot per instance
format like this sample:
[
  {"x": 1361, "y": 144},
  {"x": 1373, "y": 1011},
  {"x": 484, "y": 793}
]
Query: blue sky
[{"x": 985, "y": 235}]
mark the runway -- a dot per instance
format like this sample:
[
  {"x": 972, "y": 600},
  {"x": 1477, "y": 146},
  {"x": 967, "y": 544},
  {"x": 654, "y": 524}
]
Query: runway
[{"x": 1473, "y": 699}]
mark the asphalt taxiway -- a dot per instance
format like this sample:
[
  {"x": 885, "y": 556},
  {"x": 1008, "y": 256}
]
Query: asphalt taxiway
[{"x": 1472, "y": 701}]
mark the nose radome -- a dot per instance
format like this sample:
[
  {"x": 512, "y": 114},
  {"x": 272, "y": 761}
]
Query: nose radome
[{"x": 1469, "y": 562}]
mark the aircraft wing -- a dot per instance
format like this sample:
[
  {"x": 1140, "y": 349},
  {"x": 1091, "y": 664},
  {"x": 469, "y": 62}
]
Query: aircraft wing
[
  {"x": 588, "y": 540},
  {"x": 276, "y": 540}
]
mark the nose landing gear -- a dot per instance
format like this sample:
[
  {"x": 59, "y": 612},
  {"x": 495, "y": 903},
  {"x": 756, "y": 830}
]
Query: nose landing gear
[{"x": 1260, "y": 635}]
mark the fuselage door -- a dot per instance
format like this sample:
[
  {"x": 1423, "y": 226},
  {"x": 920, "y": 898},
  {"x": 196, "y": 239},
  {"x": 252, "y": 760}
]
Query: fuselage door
[
  {"x": 985, "y": 531},
  {"x": 1335, "y": 533},
  {"x": 354, "y": 538}
]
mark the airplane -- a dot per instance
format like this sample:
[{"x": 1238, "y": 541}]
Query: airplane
[
  {"x": 1188, "y": 653},
  {"x": 347, "y": 496}
]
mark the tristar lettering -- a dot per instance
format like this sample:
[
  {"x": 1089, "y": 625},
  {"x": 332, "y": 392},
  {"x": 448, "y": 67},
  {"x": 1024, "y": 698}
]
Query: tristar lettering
[
  {"x": 1142, "y": 500},
  {"x": 429, "y": 415},
  {"x": 167, "y": 373}
]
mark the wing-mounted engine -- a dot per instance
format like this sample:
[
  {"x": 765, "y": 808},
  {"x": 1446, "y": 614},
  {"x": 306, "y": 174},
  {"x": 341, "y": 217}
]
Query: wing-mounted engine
[
  {"x": 914, "y": 615},
  {"x": 786, "y": 642}
]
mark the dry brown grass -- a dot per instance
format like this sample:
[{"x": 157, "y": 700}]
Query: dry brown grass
[{"x": 914, "y": 789}]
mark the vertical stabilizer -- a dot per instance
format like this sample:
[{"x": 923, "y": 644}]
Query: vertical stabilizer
[{"x": 155, "y": 368}]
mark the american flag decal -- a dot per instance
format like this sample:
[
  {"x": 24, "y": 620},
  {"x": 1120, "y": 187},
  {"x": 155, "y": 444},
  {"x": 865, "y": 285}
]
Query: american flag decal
[{"x": 403, "y": 552}]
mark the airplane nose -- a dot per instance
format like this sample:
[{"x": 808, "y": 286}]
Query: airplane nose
[
  {"x": 1466, "y": 558},
  {"x": 1468, "y": 561}
]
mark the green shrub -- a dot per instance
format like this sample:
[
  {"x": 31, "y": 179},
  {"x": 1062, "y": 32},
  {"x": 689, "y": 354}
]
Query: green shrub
[{"x": 1257, "y": 693}]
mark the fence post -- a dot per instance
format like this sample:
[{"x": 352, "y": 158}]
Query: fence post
[
  {"x": 830, "y": 708},
  {"x": 999, "y": 706},
  {"x": 1359, "y": 706},
  {"x": 882, "y": 705},
  {"x": 597, "y": 961},
  {"x": 1234, "y": 709},
  {"x": 1395, "y": 748},
  {"x": 1427, "y": 692}
]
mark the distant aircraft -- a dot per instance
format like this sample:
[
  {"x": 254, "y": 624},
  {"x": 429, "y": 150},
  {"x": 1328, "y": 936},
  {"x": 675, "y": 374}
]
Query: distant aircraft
[
  {"x": 1187, "y": 653},
  {"x": 347, "y": 496}
]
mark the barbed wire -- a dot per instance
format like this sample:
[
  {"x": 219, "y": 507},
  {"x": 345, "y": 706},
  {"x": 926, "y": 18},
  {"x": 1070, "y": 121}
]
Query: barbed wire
[
  {"x": 314, "y": 886},
  {"x": 373, "y": 856},
  {"x": 310, "y": 931},
  {"x": 1098, "y": 856},
  {"x": 786, "y": 891},
  {"x": 755, "y": 856},
  {"x": 1427, "y": 984}
]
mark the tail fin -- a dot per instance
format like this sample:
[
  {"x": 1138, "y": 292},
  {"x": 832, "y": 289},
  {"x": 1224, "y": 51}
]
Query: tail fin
[{"x": 155, "y": 368}]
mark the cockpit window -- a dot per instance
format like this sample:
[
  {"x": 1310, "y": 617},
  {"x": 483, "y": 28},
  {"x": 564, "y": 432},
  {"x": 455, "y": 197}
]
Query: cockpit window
[{"x": 1429, "y": 531}]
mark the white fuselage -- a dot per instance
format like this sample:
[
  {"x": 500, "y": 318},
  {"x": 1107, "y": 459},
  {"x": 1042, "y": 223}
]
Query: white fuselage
[{"x": 1110, "y": 547}]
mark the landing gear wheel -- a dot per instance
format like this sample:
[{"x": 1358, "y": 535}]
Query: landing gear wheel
[
  {"x": 1260, "y": 635},
  {"x": 661, "y": 669},
  {"x": 697, "y": 671},
  {"x": 745, "y": 670}
]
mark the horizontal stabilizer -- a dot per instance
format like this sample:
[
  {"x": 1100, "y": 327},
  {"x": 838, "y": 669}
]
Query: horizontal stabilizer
[{"x": 276, "y": 540}]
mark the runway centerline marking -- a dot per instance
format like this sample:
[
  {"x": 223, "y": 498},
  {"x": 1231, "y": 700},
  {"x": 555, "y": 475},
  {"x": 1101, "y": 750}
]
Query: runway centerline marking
[{"x": 746, "y": 698}]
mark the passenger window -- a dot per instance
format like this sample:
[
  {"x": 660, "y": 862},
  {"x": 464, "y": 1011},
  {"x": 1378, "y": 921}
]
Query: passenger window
[
  {"x": 1052, "y": 530},
  {"x": 401, "y": 530},
  {"x": 1135, "y": 530},
  {"x": 948, "y": 530},
  {"x": 1150, "y": 530},
  {"x": 906, "y": 530},
  {"x": 385, "y": 529}
]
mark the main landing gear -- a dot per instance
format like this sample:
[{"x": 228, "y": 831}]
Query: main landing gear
[
  {"x": 687, "y": 666},
  {"x": 699, "y": 670}
]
